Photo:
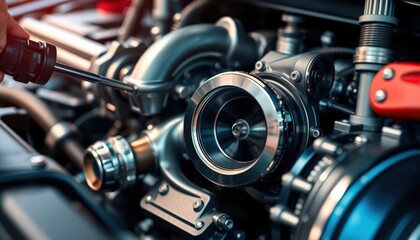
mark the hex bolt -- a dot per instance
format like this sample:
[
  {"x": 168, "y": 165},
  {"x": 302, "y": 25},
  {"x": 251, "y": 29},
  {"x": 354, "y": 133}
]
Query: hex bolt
[
  {"x": 223, "y": 222},
  {"x": 198, "y": 205},
  {"x": 380, "y": 96},
  {"x": 38, "y": 161},
  {"x": 388, "y": 73},
  {"x": 149, "y": 199},
  {"x": 279, "y": 214},
  {"x": 360, "y": 140},
  {"x": 163, "y": 189},
  {"x": 199, "y": 225},
  {"x": 315, "y": 132},
  {"x": 260, "y": 66},
  {"x": 296, "y": 183},
  {"x": 295, "y": 76},
  {"x": 182, "y": 91},
  {"x": 327, "y": 147}
]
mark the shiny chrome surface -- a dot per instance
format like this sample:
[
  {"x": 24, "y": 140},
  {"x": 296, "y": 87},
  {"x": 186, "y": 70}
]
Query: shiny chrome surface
[
  {"x": 235, "y": 128},
  {"x": 110, "y": 164}
]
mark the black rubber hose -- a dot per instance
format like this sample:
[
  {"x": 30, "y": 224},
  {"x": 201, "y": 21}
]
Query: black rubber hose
[
  {"x": 43, "y": 116},
  {"x": 73, "y": 150},
  {"x": 191, "y": 13},
  {"x": 35, "y": 108}
]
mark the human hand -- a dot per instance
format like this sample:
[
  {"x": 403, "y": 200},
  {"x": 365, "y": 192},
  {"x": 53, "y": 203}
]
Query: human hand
[{"x": 8, "y": 26}]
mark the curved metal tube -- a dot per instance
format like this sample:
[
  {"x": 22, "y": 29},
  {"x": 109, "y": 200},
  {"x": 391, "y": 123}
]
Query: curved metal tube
[
  {"x": 226, "y": 39},
  {"x": 171, "y": 134}
]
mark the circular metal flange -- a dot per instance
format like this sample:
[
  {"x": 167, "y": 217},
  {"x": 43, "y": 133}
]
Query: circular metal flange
[
  {"x": 235, "y": 129},
  {"x": 110, "y": 164}
]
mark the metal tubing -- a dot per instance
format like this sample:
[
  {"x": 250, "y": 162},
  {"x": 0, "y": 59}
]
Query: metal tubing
[
  {"x": 363, "y": 107},
  {"x": 68, "y": 41},
  {"x": 131, "y": 19},
  {"x": 227, "y": 40},
  {"x": 374, "y": 51},
  {"x": 94, "y": 78}
]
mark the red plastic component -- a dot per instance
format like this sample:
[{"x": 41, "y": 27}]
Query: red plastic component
[
  {"x": 113, "y": 6},
  {"x": 402, "y": 91}
]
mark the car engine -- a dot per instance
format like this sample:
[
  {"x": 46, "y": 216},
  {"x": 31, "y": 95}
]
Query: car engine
[{"x": 211, "y": 119}]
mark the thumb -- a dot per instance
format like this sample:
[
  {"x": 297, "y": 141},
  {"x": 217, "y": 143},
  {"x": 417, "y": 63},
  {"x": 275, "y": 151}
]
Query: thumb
[{"x": 14, "y": 29}]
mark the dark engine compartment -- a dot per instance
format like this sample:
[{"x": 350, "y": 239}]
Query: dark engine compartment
[{"x": 253, "y": 120}]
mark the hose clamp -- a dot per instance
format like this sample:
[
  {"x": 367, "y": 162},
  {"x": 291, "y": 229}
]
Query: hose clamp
[{"x": 59, "y": 132}]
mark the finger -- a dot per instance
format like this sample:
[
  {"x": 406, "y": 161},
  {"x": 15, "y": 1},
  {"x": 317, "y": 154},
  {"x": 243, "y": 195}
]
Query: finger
[
  {"x": 1, "y": 76},
  {"x": 3, "y": 29},
  {"x": 14, "y": 29}
]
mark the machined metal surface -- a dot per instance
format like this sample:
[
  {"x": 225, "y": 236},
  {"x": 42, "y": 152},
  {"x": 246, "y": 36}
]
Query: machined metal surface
[
  {"x": 72, "y": 48},
  {"x": 153, "y": 70},
  {"x": 110, "y": 165},
  {"x": 233, "y": 146}
]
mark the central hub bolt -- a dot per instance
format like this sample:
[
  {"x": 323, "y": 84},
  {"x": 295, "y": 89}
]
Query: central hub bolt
[{"x": 240, "y": 129}]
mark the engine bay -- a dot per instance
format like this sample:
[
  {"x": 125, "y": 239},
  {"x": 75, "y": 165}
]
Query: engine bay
[{"x": 240, "y": 119}]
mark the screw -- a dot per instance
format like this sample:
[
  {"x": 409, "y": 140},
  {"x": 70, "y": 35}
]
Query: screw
[
  {"x": 38, "y": 161},
  {"x": 295, "y": 76},
  {"x": 155, "y": 31},
  {"x": 223, "y": 222},
  {"x": 182, "y": 91},
  {"x": 315, "y": 132},
  {"x": 360, "y": 140},
  {"x": 380, "y": 96},
  {"x": 177, "y": 17},
  {"x": 149, "y": 199},
  {"x": 260, "y": 66},
  {"x": 163, "y": 189},
  {"x": 388, "y": 73},
  {"x": 228, "y": 224},
  {"x": 199, "y": 225},
  {"x": 198, "y": 205}
]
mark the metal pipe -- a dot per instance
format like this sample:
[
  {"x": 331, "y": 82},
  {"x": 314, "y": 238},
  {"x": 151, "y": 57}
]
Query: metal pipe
[
  {"x": 74, "y": 44},
  {"x": 374, "y": 51},
  {"x": 362, "y": 108},
  {"x": 132, "y": 19},
  {"x": 226, "y": 40}
]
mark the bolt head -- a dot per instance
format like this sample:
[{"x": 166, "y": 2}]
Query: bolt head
[
  {"x": 228, "y": 224},
  {"x": 38, "y": 161},
  {"x": 198, "y": 205},
  {"x": 380, "y": 96},
  {"x": 260, "y": 66},
  {"x": 149, "y": 199},
  {"x": 199, "y": 225},
  {"x": 315, "y": 132},
  {"x": 163, "y": 189},
  {"x": 295, "y": 76},
  {"x": 388, "y": 73},
  {"x": 360, "y": 140}
]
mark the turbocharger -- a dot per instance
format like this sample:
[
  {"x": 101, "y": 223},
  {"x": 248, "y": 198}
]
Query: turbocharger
[{"x": 246, "y": 129}]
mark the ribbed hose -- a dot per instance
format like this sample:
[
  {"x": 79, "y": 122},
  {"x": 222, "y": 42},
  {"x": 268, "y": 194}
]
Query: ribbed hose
[
  {"x": 376, "y": 35},
  {"x": 191, "y": 13},
  {"x": 43, "y": 116}
]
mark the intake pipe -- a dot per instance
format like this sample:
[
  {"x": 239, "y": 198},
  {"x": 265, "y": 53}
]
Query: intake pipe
[{"x": 226, "y": 39}]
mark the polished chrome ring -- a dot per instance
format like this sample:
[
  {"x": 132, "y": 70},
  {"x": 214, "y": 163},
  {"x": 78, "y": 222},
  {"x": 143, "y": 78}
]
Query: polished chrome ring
[{"x": 235, "y": 129}]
